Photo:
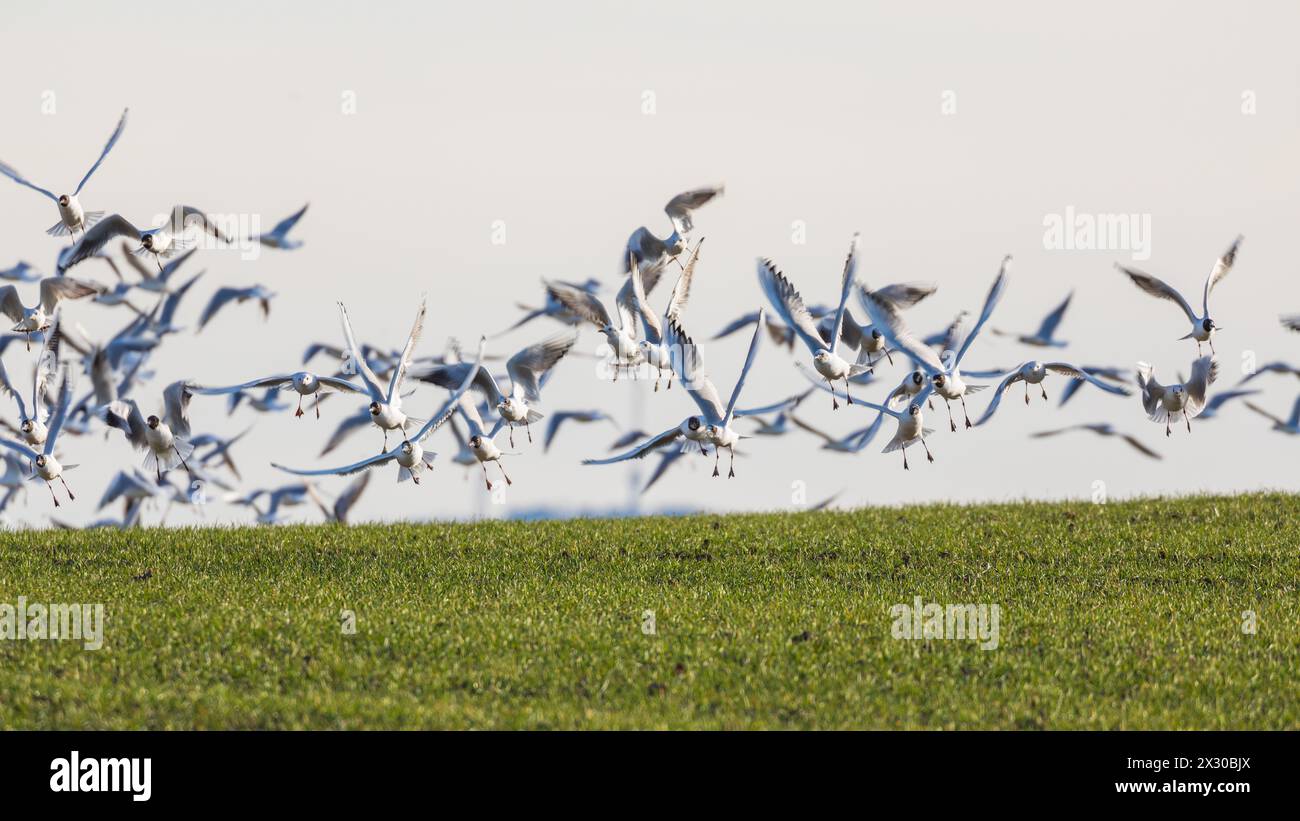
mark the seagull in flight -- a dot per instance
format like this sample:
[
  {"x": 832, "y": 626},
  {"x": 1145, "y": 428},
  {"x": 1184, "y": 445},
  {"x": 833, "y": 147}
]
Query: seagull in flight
[
  {"x": 867, "y": 339},
  {"x": 224, "y": 296},
  {"x": 1291, "y": 425},
  {"x": 22, "y": 272},
  {"x": 1034, "y": 372},
  {"x": 1102, "y": 429},
  {"x": 278, "y": 237},
  {"x": 1284, "y": 368},
  {"x": 165, "y": 439},
  {"x": 1164, "y": 403},
  {"x": 653, "y": 349},
  {"x": 481, "y": 442},
  {"x": 45, "y": 464},
  {"x": 852, "y": 442},
  {"x": 1203, "y": 327},
  {"x": 712, "y": 426},
  {"x": 944, "y": 371},
  {"x": 622, "y": 338},
  {"x": 528, "y": 370},
  {"x": 911, "y": 423},
  {"x": 385, "y": 403},
  {"x": 586, "y": 417},
  {"x": 1045, "y": 336},
  {"x": 645, "y": 248},
  {"x": 410, "y": 455},
  {"x": 30, "y": 426},
  {"x": 1291, "y": 323},
  {"x": 305, "y": 383},
  {"x": 72, "y": 217},
  {"x": 53, "y": 290},
  {"x": 163, "y": 241},
  {"x": 1221, "y": 398},
  {"x": 789, "y": 305}
]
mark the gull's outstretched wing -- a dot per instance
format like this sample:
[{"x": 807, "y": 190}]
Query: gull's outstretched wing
[
  {"x": 846, "y": 287},
  {"x": 368, "y": 378},
  {"x": 744, "y": 372},
  {"x": 640, "y": 451},
  {"x": 1048, "y": 328},
  {"x": 1158, "y": 288},
  {"x": 280, "y": 381},
  {"x": 1220, "y": 270},
  {"x": 13, "y": 174},
  {"x": 399, "y": 372},
  {"x": 112, "y": 140},
  {"x": 583, "y": 303},
  {"x": 60, "y": 412},
  {"x": 1204, "y": 371},
  {"x": 886, "y": 318},
  {"x": 531, "y": 364},
  {"x": 990, "y": 302},
  {"x": 176, "y": 408},
  {"x": 788, "y": 304},
  {"x": 690, "y": 370},
  {"x": 680, "y": 207},
  {"x": 449, "y": 407},
  {"x": 56, "y": 289},
  {"x": 1075, "y": 372},
  {"x": 95, "y": 238},
  {"x": 1011, "y": 378}
]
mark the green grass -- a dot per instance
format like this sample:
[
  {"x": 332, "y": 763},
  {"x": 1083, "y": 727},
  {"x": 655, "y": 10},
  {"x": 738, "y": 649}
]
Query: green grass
[{"x": 1125, "y": 615}]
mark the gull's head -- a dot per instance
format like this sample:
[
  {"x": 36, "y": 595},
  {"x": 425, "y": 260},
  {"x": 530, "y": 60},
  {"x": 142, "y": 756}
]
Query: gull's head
[
  {"x": 41, "y": 461},
  {"x": 306, "y": 378},
  {"x": 407, "y": 447},
  {"x": 694, "y": 423},
  {"x": 476, "y": 441},
  {"x": 712, "y": 430},
  {"x": 1176, "y": 390},
  {"x": 374, "y": 408},
  {"x": 1208, "y": 325},
  {"x": 147, "y": 241},
  {"x": 875, "y": 333},
  {"x": 506, "y": 404},
  {"x": 153, "y": 422},
  {"x": 822, "y": 355},
  {"x": 939, "y": 379},
  {"x": 914, "y": 410},
  {"x": 27, "y": 426},
  {"x": 64, "y": 199},
  {"x": 918, "y": 378}
]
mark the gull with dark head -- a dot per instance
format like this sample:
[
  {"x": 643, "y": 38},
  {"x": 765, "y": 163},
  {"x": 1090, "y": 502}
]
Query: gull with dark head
[
  {"x": 1203, "y": 327},
  {"x": 53, "y": 290},
  {"x": 646, "y": 249},
  {"x": 622, "y": 338},
  {"x": 165, "y": 439},
  {"x": 163, "y": 241},
  {"x": 46, "y": 466},
  {"x": 385, "y": 403},
  {"x": 72, "y": 217},
  {"x": 1034, "y": 372}
]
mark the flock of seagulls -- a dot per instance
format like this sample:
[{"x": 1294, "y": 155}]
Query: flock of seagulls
[{"x": 845, "y": 357}]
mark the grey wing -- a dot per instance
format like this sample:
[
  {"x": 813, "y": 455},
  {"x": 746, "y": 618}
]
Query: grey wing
[
  {"x": 346, "y": 427},
  {"x": 94, "y": 240},
  {"x": 267, "y": 382},
  {"x": 348, "y": 498},
  {"x": 19, "y": 448},
  {"x": 885, "y": 318},
  {"x": 358, "y": 361},
  {"x": 186, "y": 216},
  {"x": 1157, "y": 288},
  {"x": 399, "y": 372},
  {"x": 335, "y": 384},
  {"x": 1137, "y": 445},
  {"x": 530, "y": 364},
  {"x": 13, "y": 174},
  {"x": 473, "y": 420},
  {"x": 8, "y": 386},
  {"x": 990, "y": 302},
  {"x": 60, "y": 412},
  {"x": 220, "y": 299},
  {"x": 56, "y": 289},
  {"x": 744, "y": 372},
  {"x": 176, "y": 404},
  {"x": 788, "y": 304},
  {"x": 682, "y": 288},
  {"x": 11, "y": 305},
  {"x": 580, "y": 302},
  {"x": 450, "y": 377},
  {"x": 787, "y": 404},
  {"x": 112, "y": 140},
  {"x": 345, "y": 470},
  {"x": 1048, "y": 328},
  {"x": 124, "y": 414},
  {"x": 1076, "y": 372},
  {"x": 1011, "y": 379},
  {"x": 449, "y": 407},
  {"x": 1204, "y": 371},
  {"x": 690, "y": 370},
  {"x": 1220, "y": 270},
  {"x": 649, "y": 320},
  {"x": 285, "y": 225},
  {"x": 1291, "y": 323},
  {"x": 679, "y": 208},
  {"x": 846, "y": 287},
  {"x": 903, "y": 295},
  {"x": 640, "y": 451}
]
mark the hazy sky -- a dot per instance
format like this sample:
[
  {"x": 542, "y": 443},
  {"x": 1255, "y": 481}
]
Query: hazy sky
[{"x": 947, "y": 134}]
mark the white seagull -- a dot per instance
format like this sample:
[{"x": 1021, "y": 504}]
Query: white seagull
[
  {"x": 410, "y": 455},
  {"x": 1165, "y": 403},
  {"x": 645, "y": 248},
  {"x": 1034, "y": 372},
  {"x": 165, "y": 439},
  {"x": 278, "y": 237},
  {"x": 713, "y": 424},
  {"x": 653, "y": 349},
  {"x": 305, "y": 383},
  {"x": 944, "y": 371},
  {"x": 528, "y": 370},
  {"x": 163, "y": 241},
  {"x": 481, "y": 442},
  {"x": 46, "y": 466},
  {"x": 622, "y": 338},
  {"x": 1045, "y": 336},
  {"x": 790, "y": 306},
  {"x": 1203, "y": 327},
  {"x": 30, "y": 426},
  {"x": 911, "y": 423},
  {"x": 1291, "y": 426},
  {"x": 72, "y": 217},
  {"x": 53, "y": 291},
  {"x": 385, "y": 404}
]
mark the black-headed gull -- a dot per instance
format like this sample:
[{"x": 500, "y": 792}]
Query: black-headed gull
[
  {"x": 163, "y": 241},
  {"x": 410, "y": 455},
  {"x": 1034, "y": 372},
  {"x": 44, "y": 462},
  {"x": 1045, "y": 336},
  {"x": 1284, "y": 368},
  {"x": 72, "y": 217},
  {"x": 165, "y": 439},
  {"x": 37, "y": 318},
  {"x": 224, "y": 296},
  {"x": 385, "y": 403},
  {"x": 622, "y": 338},
  {"x": 278, "y": 237},
  {"x": 646, "y": 248},
  {"x": 944, "y": 370},
  {"x": 653, "y": 349},
  {"x": 1165, "y": 403},
  {"x": 1101, "y": 372},
  {"x": 304, "y": 383},
  {"x": 712, "y": 426},
  {"x": 480, "y": 440},
  {"x": 867, "y": 339},
  {"x": 528, "y": 370},
  {"x": 911, "y": 423},
  {"x": 790, "y": 306},
  {"x": 1203, "y": 327},
  {"x": 1102, "y": 429},
  {"x": 553, "y": 307},
  {"x": 30, "y": 426}
]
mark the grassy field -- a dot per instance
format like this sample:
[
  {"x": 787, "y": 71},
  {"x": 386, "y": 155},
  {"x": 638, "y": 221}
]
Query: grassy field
[{"x": 1125, "y": 615}]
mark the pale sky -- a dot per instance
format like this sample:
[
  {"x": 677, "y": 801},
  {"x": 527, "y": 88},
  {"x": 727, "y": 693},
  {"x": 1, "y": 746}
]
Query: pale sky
[{"x": 947, "y": 134}]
